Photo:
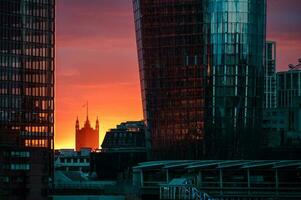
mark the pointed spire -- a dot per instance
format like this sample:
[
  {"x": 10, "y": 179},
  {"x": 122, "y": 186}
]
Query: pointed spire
[
  {"x": 77, "y": 124},
  {"x": 97, "y": 124},
  {"x": 87, "y": 123},
  {"x": 87, "y": 111}
]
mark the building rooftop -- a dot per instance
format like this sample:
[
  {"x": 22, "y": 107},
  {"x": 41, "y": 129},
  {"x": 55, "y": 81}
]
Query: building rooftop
[{"x": 218, "y": 164}]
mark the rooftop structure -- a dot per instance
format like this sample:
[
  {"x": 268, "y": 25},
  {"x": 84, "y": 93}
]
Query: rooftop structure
[
  {"x": 69, "y": 160},
  {"x": 221, "y": 179},
  {"x": 127, "y": 136}
]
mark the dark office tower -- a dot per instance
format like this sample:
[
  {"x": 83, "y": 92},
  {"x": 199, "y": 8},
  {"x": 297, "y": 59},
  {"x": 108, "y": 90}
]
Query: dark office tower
[
  {"x": 26, "y": 98},
  {"x": 201, "y": 71},
  {"x": 270, "y": 91},
  {"x": 170, "y": 42}
]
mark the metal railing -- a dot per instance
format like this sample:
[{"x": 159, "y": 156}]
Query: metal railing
[{"x": 183, "y": 192}]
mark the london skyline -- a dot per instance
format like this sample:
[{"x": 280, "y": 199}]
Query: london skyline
[{"x": 98, "y": 62}]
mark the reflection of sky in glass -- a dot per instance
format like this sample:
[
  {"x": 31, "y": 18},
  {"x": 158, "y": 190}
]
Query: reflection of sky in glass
[{"x": 237, "y": 33}]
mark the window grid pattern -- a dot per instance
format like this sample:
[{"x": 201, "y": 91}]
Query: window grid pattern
[
  {"x": 201, "y": 68},
  {"x": 27, "y": 70},
  {"x": 171, "y": 62}
]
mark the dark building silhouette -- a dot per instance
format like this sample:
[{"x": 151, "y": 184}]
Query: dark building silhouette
[
  {"x": 289, "y": 86},
  {"x": 201, "y": 71},
  {"x": 26, "y": 98},
  {"x": 126, "y": 136},
  {"x": 122, "y": 148},
  {"x": 86, "y": 137}
]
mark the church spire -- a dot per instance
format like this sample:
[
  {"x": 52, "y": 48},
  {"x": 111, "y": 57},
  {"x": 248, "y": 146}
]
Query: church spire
[
  {"x": 87, "y": 123},
  {"x": 87, "y": 111},
  {"x": 77, "y": 124},
  {"x": 97, "y": 124}
]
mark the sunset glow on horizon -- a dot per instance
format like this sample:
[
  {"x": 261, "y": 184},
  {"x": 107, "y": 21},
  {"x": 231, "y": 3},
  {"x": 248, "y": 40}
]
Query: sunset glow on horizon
[{"x": 96, "y": 61}]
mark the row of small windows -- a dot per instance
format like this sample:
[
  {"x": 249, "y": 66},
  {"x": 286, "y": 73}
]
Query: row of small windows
[
  {"x": 15, "y": 102},
  {"x": 26, "y": 22},
  {"x": 74, "y": 160},
  {"x": 20, "y": 154},
  {"x": 10, "y": 63},
  {"x": 37, "y": 8},
  {"x": 15, "y": 76},
  {"x": 40, "y": 1},
  {"x": 19, "y": 38},
  {"x": 12, "y": 116},
  {"x": 26, "y": 50},
  {"x": 36, "y": 143},
  {"x": 17, "y": 167},
  {"x": 17, "y": 154},
  {"x": 29, "y": 91},
  {"x": 32, "y": 130}
]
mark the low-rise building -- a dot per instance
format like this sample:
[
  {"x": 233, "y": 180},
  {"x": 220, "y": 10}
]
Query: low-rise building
[
  {"x": 122, "y": 148},
  {"x": 70, "y": 160}
]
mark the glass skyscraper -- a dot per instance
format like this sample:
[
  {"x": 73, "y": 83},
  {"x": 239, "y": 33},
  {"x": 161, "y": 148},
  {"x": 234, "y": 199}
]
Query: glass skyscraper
[
  {"x": 236, "y": 48},
  {"x": 201, "y": 71},
  {"x": 26, "y": 97}
]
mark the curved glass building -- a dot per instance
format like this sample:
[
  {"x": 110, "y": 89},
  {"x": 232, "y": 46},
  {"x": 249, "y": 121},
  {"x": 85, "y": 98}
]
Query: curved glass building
[
  {"x": 236, "y": 42},
  {"x": 201, "y": 65}
]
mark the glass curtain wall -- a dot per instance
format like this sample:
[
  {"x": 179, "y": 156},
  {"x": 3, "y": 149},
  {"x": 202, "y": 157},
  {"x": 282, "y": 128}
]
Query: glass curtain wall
[
  {"x": 171, "y": 63},
  {"x": 235, "y": 52}
]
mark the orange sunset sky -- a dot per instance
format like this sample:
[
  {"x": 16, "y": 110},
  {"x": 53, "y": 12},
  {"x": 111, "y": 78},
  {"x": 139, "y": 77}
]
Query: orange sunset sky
[{"x": 96, "y": 60}]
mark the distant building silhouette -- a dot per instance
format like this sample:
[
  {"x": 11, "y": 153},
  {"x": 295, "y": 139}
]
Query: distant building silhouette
[
  {"x": 127, "y": 136},
  {"x": 122, "y": 148},
  {"x": 282, "y": 127},
  {"x": 86, "y": 137}
]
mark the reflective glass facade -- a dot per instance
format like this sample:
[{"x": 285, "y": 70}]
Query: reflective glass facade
[
  {"x": 171, "y": 56},
  {"x": 201, "y": 70},
  {"x": 236, "y": 48},
  {"x": 26, "y": 96}
]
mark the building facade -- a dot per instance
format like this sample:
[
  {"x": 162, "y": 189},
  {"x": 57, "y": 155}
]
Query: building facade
[
  {"x": 86, "y": 137},
  {"x": 288, "y": 87},
  {"x": 127, "y": 136},
  {"x": 26, "y": 98},
  {"x": 69, "y": 160},
  {"x": 281, "y": 125},
  {"x": 201, "y": 71},
  {"x": 270, "y": 79},
  {"x": 122, "y": 148}
]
